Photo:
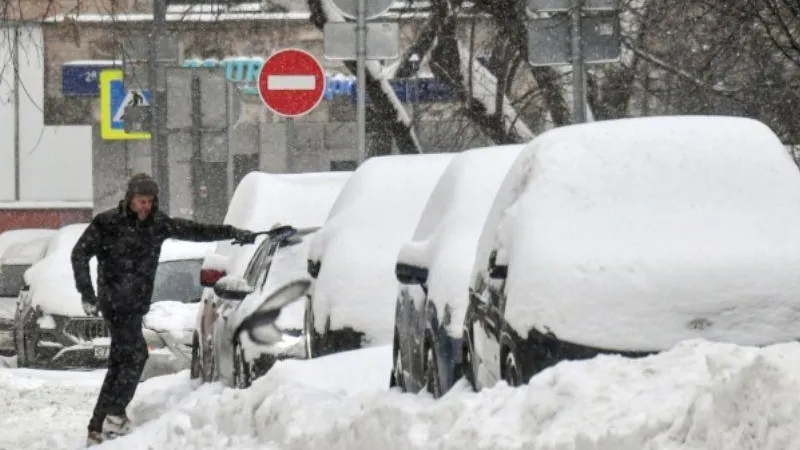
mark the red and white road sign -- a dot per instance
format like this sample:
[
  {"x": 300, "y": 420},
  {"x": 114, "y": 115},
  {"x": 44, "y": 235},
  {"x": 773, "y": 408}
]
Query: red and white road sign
[{"x": 291, "y": 82}]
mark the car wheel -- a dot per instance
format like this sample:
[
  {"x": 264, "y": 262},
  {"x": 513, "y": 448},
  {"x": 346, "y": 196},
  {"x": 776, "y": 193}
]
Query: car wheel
[
  {"x": 432, "y": 372},
  {"x": 309, "y": 335},
  {"x": 209, "y": 364},
  {"x": 396, "y": 377},
  {"x": 26, "y": 347},
  {"x": 242, "y": 377},
  {"x": 511, "y": 369},
  {"x": 195, "y": 371}
]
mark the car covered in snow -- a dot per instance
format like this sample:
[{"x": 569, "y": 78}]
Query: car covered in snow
[
  {"x": 52, "y": 330},
  {"x": 252, "y": 335},
  {"x": 353, "y": 256},
  {"x": 433, "y": 270},
  {"x": 260, "y": 202},
  {"x": 630, "y": 236},
  {"x": 16, "y": 259}
]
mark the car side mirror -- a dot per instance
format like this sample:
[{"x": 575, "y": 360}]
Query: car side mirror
[
  {"x": 313, "y": 268},
  {"x": 410, "y": 274},
  {"x": 498, "y": 270},
  {"x": 232, "y": 288}
]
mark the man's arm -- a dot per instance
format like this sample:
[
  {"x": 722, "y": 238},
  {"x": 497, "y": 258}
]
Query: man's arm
[
  {"x": 189, "y": 230},
  {"x": 87, "y": 246}
]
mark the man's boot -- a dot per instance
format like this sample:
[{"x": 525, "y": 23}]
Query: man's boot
[
  {"x": 115, "y": 425},
  {"x": 94, "y": 438}
]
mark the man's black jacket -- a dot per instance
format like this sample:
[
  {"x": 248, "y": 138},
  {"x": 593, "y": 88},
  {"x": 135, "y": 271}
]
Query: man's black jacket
[{"x": 127, "y": 252}]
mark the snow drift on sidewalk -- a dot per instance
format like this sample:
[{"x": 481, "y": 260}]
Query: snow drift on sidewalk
[{"x": 699, "y": 395}]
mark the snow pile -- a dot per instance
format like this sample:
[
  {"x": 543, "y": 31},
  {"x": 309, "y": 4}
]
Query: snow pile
[
  {"x": 640, "y": 233},
  {"x": 699, "y": 395},
  {"x": 447, "y": 233},
  {"x": 171, "y": 316},
  {"x": 10, "y": 237},
  {"x": 262, "y": 200},
  {"x": 358, "y": 245}
]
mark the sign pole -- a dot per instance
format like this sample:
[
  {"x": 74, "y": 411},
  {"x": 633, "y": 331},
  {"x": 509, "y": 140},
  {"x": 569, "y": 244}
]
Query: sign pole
[
  {"x": 578, "y": 94},
  {"x": 361, "y": 56},
  {"x": 159, "y": 160}
]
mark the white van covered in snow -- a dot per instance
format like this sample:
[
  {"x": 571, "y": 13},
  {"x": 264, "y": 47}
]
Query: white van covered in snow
[{"x": 630, "y": 236}]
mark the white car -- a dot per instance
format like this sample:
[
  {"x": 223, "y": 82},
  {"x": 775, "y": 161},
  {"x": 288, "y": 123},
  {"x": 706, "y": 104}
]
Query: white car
[
  {"x": 52, "y": 330},
  {"x": 630, "y": 236},
  {"x": 16, "y": 259},
  {"x": 352, "y": 258},
  {"x": 261, "y": 201}
]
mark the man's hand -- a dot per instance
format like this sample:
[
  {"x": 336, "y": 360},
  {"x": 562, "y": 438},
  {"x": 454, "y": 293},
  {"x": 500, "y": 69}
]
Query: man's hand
[
  {"x": 244, "y": 236},
  {"x": 90, "y": 306}
]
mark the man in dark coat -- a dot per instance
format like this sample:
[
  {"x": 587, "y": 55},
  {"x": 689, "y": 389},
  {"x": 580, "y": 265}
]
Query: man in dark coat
[{"x": 127, "y": 243}]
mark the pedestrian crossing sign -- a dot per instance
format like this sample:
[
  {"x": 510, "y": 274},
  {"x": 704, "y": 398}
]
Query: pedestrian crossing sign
[{"x": 114, "y": 98}]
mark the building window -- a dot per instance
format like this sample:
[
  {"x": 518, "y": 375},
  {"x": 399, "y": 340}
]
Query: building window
[{"x": 343, "y": 166}]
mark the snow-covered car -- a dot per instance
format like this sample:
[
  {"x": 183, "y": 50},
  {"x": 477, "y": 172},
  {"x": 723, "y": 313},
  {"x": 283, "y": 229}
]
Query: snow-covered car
[
  {"x": 353, "y": 256},
  {"x": 16, "y": 259},
  {"x": 8, "y": 239},
  {"x": 630, "y": 236},
  {"x": 249, "y": 338},
  {"x": 52, "y": 330},
  {"x": 260, "y": 201},
  {"x": 433, "y": 270}
]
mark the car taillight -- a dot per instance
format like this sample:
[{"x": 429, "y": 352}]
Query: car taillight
[{"x": 209, "y": 277}]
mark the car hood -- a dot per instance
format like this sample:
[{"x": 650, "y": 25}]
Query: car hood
[{"x": 167, "y": 316}]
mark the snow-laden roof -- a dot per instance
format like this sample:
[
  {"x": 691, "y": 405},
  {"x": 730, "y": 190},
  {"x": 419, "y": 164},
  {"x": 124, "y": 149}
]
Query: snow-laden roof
[
  {"x": 26, "y": 252},
  {"x": 639, "y": 233},
  {"x": 447, "y": 233},
  {"x": 373, "y": 216},
  {"x": 262, "y": 200},
  {"x": 10, "y": 237}
]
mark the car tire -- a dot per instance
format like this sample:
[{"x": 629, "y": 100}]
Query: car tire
[
  {"x": 313, "y": 341},
  {"x": 396, "y": 377},
  {"x": 512, "y": 371},
  {"x": 242, "y": 375},
  {"x": 467, "y": 367},
  {"x": 195, "y": 370},
  {"x": 209, "y": 364},
  {"x": 26, "y": 351},
  {"x": 431, "y": 370}
]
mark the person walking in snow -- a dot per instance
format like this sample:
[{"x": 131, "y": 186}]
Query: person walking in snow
[{"x": 127, "y": 243}]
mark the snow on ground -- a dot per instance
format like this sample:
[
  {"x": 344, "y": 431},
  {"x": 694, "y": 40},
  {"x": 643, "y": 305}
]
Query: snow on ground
[{"x": 699, "y": 395}]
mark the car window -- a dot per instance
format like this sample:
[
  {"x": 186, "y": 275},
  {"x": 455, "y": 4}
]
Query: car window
[
  {"x": 258, "y": 264},
  {"x": 12, "y": 279},
  {"x": 178, "y": 281}
]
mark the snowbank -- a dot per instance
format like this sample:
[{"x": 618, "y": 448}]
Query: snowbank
[
  {"x": 448, "y": 231},
  {"x": 262, "y": 200},
  {"x": 698, "y": 396},
  {"x": 7, "y": 238},
  {"x": 639, "y": 233},
  {"x": 357, "y": 247}
]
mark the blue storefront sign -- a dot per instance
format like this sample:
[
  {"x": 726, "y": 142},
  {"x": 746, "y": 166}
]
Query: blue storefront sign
[{"x": 80, "y": 78}]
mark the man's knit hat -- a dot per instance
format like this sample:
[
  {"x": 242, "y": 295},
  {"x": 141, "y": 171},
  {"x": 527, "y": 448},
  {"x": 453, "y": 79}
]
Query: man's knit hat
[{"x": 141, "y": 184}]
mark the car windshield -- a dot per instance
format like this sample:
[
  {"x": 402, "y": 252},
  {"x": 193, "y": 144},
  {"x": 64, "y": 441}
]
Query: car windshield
[
  {"x": 11, "y": 279},
  {"x": 178, "y": 281}
]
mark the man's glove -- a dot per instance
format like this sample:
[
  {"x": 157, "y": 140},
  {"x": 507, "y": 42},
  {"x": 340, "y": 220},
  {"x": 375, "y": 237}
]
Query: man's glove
[
  {"x": 89, "y": 304},
  {"x": 243, "y": 236}
]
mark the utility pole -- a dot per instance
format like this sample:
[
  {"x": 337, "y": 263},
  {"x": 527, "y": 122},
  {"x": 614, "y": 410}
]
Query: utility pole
[
  {"x": 578, "y": 94},
  {"x": 159, "y": 157},
  {"x": 361, "y": 75}
]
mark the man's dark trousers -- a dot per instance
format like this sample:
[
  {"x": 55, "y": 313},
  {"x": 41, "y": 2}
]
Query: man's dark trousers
[{"x": 126, "y": 360}]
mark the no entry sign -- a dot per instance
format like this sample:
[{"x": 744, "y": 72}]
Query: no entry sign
[{"x": 291, "y": 82}]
